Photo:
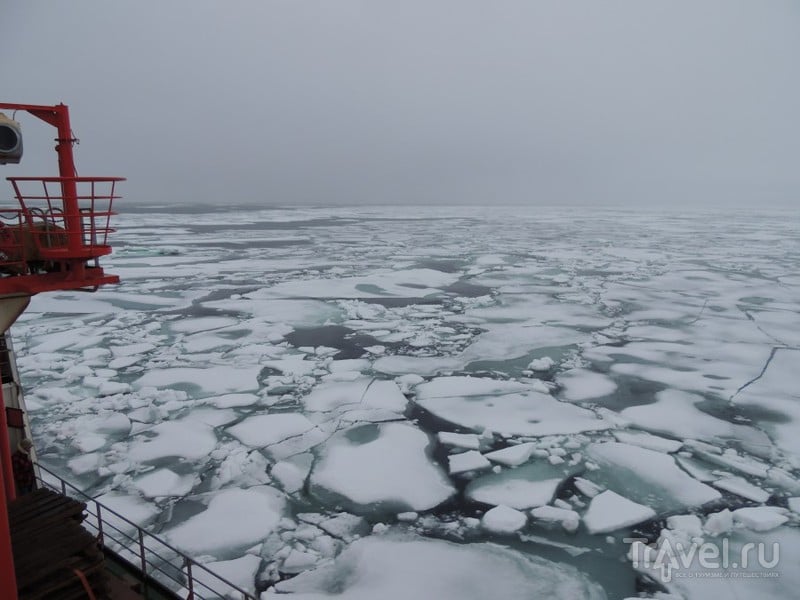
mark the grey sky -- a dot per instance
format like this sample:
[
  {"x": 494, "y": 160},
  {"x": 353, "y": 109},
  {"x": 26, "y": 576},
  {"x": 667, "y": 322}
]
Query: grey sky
[{"x": 452, "y": 101}]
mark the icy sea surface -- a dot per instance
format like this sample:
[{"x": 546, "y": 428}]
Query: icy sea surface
[{"x": 436, "y": 403}]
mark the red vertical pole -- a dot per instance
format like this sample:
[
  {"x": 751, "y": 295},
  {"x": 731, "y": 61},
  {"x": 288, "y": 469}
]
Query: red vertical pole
[
  {"x": 66, "y": 170},
  {"x": 8, "y": 578},
  {"x": 5, "y": 452},
  {"x": 69, "y": 190}
]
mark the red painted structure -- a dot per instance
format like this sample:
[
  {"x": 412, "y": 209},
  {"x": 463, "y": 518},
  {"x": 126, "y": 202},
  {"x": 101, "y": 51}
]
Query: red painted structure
[{"x": 51, "y": 241}]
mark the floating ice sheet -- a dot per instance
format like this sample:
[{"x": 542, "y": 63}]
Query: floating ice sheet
[
  {"x": 234, "y": 519},
  {"x": 384, "y": 467},
  {"x": 280, "y": 434},
  {"x": 480, "y": 404},
  {"x": 395, "y": 568},
  {"x": 608, "y": 511},
  {"x": 648, "y": 477},
  {"x": 211, "y": 380}
]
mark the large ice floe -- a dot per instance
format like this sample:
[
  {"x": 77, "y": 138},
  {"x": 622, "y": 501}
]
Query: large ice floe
[
  {"x": 397, "y": 568},
  {"x": 383, "y": 467},
  {"x": 436, "y": 402},
  {"x": 504, "y": 407}
]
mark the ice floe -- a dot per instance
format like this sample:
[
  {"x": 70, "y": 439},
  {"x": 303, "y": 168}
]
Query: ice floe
[
  {"x": 215, "y": 380},
  {"x": 521, "y": 488},
  {"x": 279, "y": 434},
  {"x": 512, "y": 456},
  {"x": 188, "y": 438},
  {"x": 389, "y": 567},
  {"x": 580, "y": 385},
  {"x": 471, "y": 460},
  {"x": 649, "y": 477},
  {"x": 384, "y": 467},
  {"x": 608, "y": 511},
  {"x": 486, "y": 404},
  {"x": 234, "y": 519},
  {"x": 503, "y": 519}
]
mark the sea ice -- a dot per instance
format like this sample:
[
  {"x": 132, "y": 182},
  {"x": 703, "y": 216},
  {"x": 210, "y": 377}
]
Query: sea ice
[
  {"x": 235, "y": 518},
  {"x": 200, "y": 324},
  {"x": 504, "y": 520},
  {"x": 472, "y": 460},
  {"x": 512, "y": 456},
  {"x": 580, "y": 385},
  {"x": 794, "y": 504},
  {"x": 280, "y": 434},
  {"x": 743, "y": 488},
  {"x": 363, "y": 399},
  {"x": 691, "y": 524},
  {"x": 233, "y": 400},
  {"x": 775, "y": 391},
  {"x": 394, "y": 568},
  {"x": 521, "y": 488},
  {"x": 609, "y": 511},
  {"x": 721, "y": 572},
  {"x": 468, "y": 441},
  {"x": 164, "y": 482},
  {"x": 675, "y": 413},
  {"x": 186, "y": 438},
  {"x": 293, "y": 313},
  {"x": 568, "y": 519},
  {"x": 241, "y": 572},
  {"x": 409, "y": 283},
  {"x": 383, "y": 467},
  {"x": 214, "y": 380},
  {"x": 541, "y": 364},
  {"x": 648, "y": 476},
  {"x": 719, "y": 522},
  {"x": 760, "y": 518},
  {"x": 292, "y": 472},
  {"x": 479, "y": 404},
  {"x": 646, "y": 440},
  {"x": 415, "y": 365}
]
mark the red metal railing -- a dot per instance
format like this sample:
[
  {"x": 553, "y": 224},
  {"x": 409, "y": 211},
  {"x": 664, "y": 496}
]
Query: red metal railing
[
  {"x": 12, "y": 258},
  {"x": 65, "y": 230},
  {"x": 149, "y": 554}
]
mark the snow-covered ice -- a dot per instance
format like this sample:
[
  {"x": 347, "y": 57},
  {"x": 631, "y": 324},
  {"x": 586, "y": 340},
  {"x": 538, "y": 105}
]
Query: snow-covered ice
[
  {"x": 480, "y": 404},
  {"x": 503, "y": 519},
  {"x": 647, "y": 476},
  {"x": 512, "y": 456},
  {"x": 384, "y": 467},
  {"x": 397, "y": 567},
  {"x": 471, "y": 460},
  {"x": 234, "y": 519},
  {"x": 581, "y": 385},
  {"x": 608, "y": 511},
  {"x": 568, "y": 519},
  {"x": 520, "y": 488},
  {"x": 760, "y": 518},
  {"x": 648, "y": 355},
  {"x": 279, "y": 434}
]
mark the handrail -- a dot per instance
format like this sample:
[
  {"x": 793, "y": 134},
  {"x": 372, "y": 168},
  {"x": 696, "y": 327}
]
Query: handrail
[{"x": 137, "y": 546}]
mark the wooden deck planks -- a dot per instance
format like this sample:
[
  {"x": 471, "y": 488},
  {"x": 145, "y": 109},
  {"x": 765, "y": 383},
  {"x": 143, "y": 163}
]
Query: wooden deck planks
[{"x": 49, "y": 543}]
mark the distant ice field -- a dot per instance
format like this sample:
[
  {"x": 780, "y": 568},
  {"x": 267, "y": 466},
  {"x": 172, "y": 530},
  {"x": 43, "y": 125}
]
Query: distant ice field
[{"x": 305, "y": 398}]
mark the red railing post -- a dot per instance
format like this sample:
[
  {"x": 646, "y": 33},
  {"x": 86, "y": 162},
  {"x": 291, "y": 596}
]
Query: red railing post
[
  {"x": 99, "y": 523},
  {"x": 66, "y": 170},
  {"x": 8, "y": 578},
  {"x": 189, "y": 578},
  {"x": 5, "y": 452}
]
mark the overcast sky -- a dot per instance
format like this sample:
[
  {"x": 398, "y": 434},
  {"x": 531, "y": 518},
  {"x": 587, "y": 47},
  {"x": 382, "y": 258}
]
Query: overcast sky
[{"x": 281, "y": 102}]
